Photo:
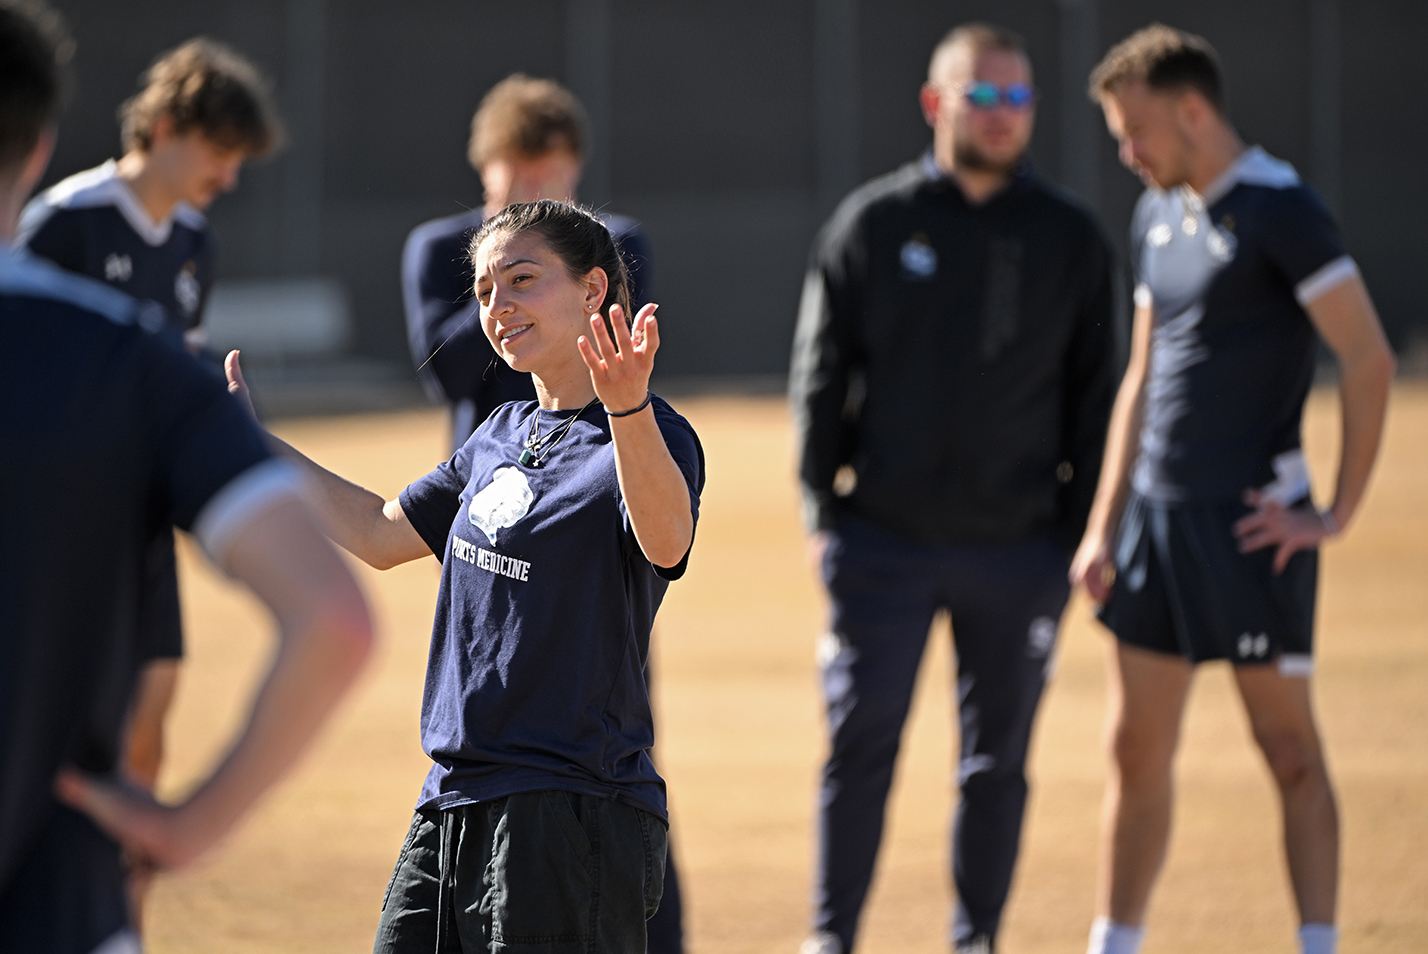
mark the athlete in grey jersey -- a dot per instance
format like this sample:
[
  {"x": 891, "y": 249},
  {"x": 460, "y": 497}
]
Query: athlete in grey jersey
[{"x": 1203, "y": 512}]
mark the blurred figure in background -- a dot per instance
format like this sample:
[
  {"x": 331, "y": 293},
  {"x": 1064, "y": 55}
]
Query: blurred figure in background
[
  {"x": 527, "y": 143},
  {"x": 112, "y": 434},
  {"x": 137, "y": 224},
  {"x": 952, "y": 375},
  {"x": 1204, "y": 539}
]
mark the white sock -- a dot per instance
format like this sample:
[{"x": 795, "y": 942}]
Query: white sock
[
  {"x": 1112, "y": 937},
  {"x": 1318, "y": 939}
]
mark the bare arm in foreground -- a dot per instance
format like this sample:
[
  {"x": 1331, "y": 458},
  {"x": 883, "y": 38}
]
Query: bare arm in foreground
[{"x": 324, "y": 636}]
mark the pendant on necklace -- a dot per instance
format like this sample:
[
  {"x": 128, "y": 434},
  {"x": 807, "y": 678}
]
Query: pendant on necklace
[{"x": 528, "y": 459}]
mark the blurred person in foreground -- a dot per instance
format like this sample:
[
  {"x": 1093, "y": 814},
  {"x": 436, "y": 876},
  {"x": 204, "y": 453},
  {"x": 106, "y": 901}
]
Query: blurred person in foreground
[
  {"x": 952, "y": 375},
  {"x": 1203, "y": 541},
  {"x": 527, "y": 143},
  {"x": 137, "y": 224},
  {"x": 111, "y": 432}
]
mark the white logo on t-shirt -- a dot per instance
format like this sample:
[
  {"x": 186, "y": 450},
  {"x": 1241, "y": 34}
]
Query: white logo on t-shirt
[{"x": 506, "y": 499}]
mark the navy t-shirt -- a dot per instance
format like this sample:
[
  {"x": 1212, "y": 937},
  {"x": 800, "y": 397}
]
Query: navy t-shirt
[
  {"x": 109, "y": 433},
  {"x": 92, "y": 223},
  {"x": 458, "y": 364},
  {"x": 536, "y": 674},
  {"x": 1232, "y": 350}
]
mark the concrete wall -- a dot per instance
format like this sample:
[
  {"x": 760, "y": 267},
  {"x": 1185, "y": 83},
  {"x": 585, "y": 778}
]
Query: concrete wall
[{"x": 730, "y": 127}]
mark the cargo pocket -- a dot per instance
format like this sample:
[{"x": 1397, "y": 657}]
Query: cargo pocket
[{"x": 541, "y": 883}]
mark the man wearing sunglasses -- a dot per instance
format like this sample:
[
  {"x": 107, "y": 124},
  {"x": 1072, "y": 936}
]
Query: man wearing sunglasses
[{"x": 951, "y": 381}]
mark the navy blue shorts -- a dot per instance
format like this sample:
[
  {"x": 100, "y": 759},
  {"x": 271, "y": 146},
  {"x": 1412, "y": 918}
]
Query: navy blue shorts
[{"x": 1184, "y": 588}]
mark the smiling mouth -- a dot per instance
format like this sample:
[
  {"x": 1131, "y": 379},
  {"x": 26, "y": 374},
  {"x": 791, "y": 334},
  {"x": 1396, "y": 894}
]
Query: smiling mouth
[{"x": 513, "y": 333}]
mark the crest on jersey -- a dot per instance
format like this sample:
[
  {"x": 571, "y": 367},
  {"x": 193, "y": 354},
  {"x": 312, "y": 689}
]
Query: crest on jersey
[
  {"x": 186, "y": 289},
  {"x": 501, "y": 503},
  {"x": 118, "y": 268},
  {"x": 1222, "y": 243},
  {"x": 918, "y": 258}
]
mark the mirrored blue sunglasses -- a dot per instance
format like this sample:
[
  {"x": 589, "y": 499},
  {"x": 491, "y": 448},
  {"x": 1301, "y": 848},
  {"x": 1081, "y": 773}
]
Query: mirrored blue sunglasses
[{"x": 983, "y": 95}]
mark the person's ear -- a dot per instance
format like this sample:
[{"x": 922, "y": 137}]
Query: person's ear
[
  {"x": 597, "y": 284},
  {"x": 38, "y": 159},
  {"x": 930, "y": 97},
  {"x": 163, "y": 130}
]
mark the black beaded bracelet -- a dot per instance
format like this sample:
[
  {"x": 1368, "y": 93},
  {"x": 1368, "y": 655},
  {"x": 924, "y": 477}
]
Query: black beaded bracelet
[{"x": 634, "y": 410}]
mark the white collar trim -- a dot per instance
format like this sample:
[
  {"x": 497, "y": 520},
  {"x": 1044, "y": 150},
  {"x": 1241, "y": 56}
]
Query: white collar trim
[{"x": 1253, "y": 167}]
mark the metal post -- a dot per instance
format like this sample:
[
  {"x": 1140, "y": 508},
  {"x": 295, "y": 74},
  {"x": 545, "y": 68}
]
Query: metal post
[
  {"x": 835, "y": 100},
  {"x": 1080, "y": 124},
  {"x": 1324, "y": 103},
  {"x": 300, "y": 239},
  {"x": 587, "y": 73}
]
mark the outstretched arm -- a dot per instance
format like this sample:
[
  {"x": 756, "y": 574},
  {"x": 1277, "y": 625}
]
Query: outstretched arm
[
  {"x": 654, "y": 489},
  {"x": 1346, "y": 319},
  {"x": 374, "y": 530},
  {"x": 324, "y": 635}
]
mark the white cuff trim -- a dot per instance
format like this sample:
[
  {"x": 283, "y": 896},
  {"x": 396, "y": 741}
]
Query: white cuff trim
[
  {"x": 1144, "y": 297},
  {"x": 122, "y": 941},
  {"x": 1326, "y": 279},
  {"x": 240, "y": 501},
  {"x": 1296, "y": 665}
]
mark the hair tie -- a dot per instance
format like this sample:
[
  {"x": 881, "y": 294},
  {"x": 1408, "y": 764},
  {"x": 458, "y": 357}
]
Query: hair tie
[{"x": 649, "y": 396}]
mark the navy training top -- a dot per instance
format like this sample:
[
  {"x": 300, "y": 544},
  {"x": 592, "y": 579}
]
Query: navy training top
[
  {"x": 109, "y": 432},
  {"x": 536, "y": 674},
  {"x": 93, "y": 224},
  {"x": 1232, "y": 350},
  {"x": 458, "y": 364}
]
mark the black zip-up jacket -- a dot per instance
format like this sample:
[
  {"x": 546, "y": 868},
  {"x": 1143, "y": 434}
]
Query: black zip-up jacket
[{"x": 960, "y": 359}]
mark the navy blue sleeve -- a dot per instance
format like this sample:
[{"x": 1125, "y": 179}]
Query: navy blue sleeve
[
  {"x": 431, "y": 503},
  {"x": 443, "y": 326},
  {"x": 635, "y": 249},
  {"x": 1140, "y": 222},
  {"x": 688, "y": 454},
  {"x": 203, "y": 437},
  {"x": 61, "y": 240},
  {"x": 1300, "y": 236}
]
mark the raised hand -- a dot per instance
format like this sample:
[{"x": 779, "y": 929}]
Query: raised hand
[
  {"x": 1289, "y": 529},
  {"x": 621, "y": 375},
  {"x": 236, "y": 385}
]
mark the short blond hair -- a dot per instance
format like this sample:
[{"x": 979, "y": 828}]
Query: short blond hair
[
  {"x": 206, "y": 86},
  {"x": 1165, "y": 59},
  {"x": 526, "y": 117}
]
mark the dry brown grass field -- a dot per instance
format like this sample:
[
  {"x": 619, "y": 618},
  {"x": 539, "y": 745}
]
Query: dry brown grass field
[{"x": 740, "y": 736}]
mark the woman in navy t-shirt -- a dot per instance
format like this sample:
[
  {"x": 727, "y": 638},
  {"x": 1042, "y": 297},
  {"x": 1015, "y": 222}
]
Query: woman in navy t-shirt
[{"x": 559, "y": 524}]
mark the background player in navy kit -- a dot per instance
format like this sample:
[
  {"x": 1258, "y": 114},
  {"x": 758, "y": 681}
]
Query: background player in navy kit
[
  {"x": 558, "y": 525},
  {"x": 137, "y": 224},
  {"x": 954, "y": 352},
  {"x": 108, "y": 431},
  {"x": 527, "y": 143},
  {"x": 1203, "y": 506}
]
